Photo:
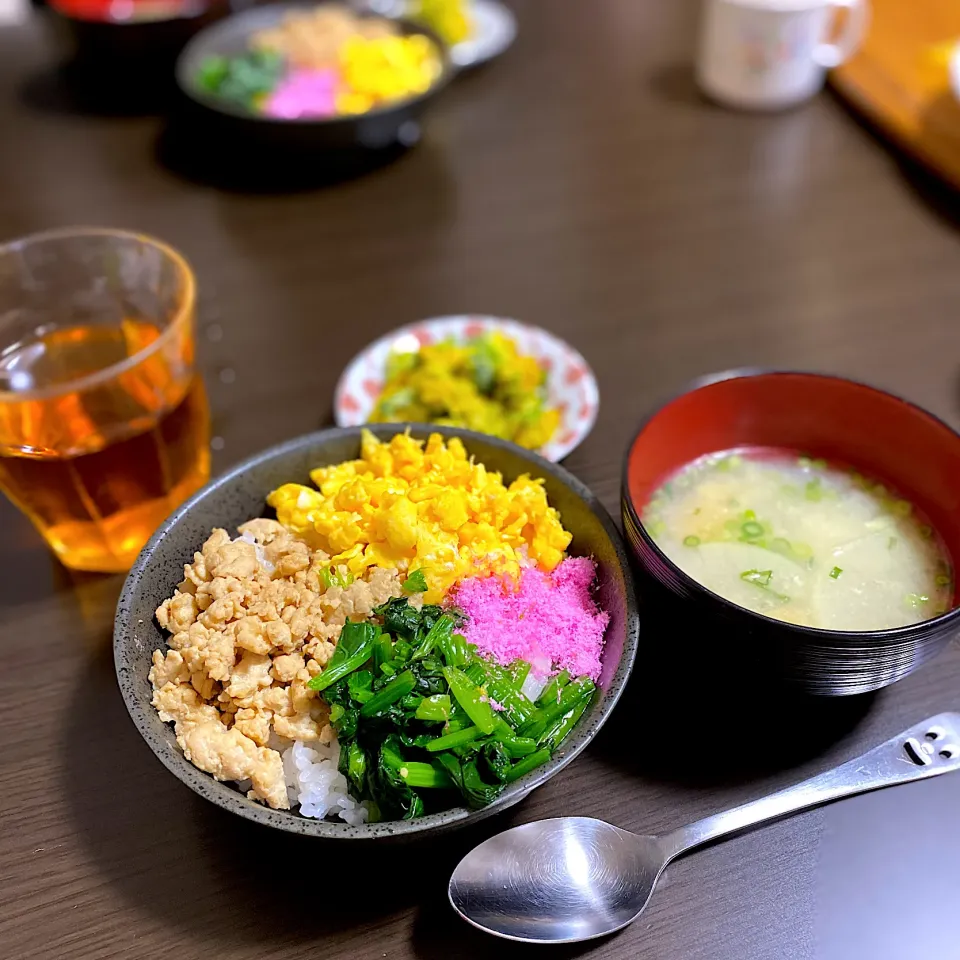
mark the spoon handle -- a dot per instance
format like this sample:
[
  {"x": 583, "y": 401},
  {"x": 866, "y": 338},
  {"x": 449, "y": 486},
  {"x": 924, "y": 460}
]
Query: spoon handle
[{"x": 925, "y": 750}]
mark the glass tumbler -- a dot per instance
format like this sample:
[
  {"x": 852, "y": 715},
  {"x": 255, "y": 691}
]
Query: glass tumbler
[{"x": 104, "y": 424}]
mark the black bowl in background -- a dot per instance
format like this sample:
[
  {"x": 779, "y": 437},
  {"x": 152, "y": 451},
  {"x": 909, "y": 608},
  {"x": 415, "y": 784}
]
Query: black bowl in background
[
  {"x": 822, "y": 416},
  {"x": 239, "y": 495},
  {"x": 128, "y": 62},
  {"x": 219, "y": 120}
]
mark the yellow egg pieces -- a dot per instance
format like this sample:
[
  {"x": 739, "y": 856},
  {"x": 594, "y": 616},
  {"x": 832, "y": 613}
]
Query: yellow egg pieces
[{"x": 411, "y": 505}]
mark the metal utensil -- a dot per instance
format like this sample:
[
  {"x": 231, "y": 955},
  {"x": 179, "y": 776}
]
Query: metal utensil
[{"x": 576, "y": 878}]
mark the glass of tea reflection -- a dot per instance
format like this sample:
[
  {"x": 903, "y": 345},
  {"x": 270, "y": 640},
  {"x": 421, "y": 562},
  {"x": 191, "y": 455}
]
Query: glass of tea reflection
[{"x": 104, "y": 426}]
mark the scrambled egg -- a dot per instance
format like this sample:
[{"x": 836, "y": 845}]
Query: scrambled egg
[{"x": 406, "y": 505}]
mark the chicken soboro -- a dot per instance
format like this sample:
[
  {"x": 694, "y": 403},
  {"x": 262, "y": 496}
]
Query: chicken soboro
[{"x": 253, "y": 620}]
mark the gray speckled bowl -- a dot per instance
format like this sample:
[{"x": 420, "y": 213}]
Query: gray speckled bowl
[{"x": 239, "y": 495}]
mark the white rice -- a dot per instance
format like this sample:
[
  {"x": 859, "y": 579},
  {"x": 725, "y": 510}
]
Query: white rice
[
  {"x": 313, "y": 780},
  {"x": 315, "y": 783}
]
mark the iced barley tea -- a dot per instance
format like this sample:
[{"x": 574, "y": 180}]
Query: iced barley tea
[{"x": 104, "y": 426}]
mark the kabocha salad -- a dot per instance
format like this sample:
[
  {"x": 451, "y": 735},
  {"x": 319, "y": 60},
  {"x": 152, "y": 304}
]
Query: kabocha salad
[{"x": 406, "y": 636}]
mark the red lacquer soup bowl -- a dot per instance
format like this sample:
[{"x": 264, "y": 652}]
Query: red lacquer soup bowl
[{"x": 874, "y": 432}]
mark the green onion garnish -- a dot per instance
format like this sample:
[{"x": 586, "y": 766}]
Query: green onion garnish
[
  {"x": 916, "y": 599},
  {"x": 691, "y": 541},
  {"x": 812, "y": 490},
  {"x": 751, "y": 530},
  {"x": 835, "y": 572},
  {"x": 780, "y": 545},
  {"x": 761, "y": 579},
  {"x": 943, "y": 581}
]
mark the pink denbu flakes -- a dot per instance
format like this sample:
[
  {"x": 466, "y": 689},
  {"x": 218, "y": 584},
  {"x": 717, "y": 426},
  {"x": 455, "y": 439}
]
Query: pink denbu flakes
[{"x": 544, "y": 617}]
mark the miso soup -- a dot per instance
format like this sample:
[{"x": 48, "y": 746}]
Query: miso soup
[{"x": 802, "y": 541}]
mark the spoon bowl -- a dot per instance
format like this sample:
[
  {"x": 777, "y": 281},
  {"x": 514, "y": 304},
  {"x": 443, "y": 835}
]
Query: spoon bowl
[{"x": 557, "y": 881}]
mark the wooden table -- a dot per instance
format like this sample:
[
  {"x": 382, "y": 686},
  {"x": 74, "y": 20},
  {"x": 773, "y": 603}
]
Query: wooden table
[{"x": 582, "y": 185}]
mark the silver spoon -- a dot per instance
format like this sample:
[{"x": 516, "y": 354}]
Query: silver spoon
[{"x": 575, "y": 878}]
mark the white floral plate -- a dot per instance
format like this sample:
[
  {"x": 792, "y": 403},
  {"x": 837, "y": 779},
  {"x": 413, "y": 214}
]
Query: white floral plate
[
  {"x": 494, "y": 28},
  {"x": 571, "y": 385}
]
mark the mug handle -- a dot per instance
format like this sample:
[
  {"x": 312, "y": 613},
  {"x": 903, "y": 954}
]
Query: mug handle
[{"x": 831, "y": 55}]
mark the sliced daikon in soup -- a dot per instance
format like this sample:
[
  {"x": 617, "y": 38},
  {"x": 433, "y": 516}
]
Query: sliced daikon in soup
[
  {"x": 883, "y": 581},
  {"x": 750, "y": 576},
  {"x": 801, "y": 541}
]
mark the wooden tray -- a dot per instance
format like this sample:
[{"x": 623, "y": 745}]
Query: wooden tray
[{"x": 900, "y": 79}]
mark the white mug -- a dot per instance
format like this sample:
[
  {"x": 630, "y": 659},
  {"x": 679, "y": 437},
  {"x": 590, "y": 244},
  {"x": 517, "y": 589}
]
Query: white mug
[{"x": 768, "y": 54}]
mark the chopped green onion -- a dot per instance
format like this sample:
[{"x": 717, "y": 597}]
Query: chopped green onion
[
  {"x": 751, "y": 530},
  {"x": 760, "y": 578},
  {"x": 902, "y": 508},
  {"x": 943, "y": 580},
  {"x": 835, "y": 572},
  {"x": 818, "y": 463},
  {"x": 915, "y": 600},
  {"x": 926, "y": 532},
  {"x": 812, "y": 490},
  {"x": 691, "y": 541},
  {"x": 416, "y": 582},
  {"x": 803, "y": 551}
]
